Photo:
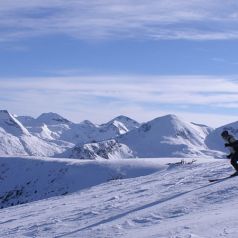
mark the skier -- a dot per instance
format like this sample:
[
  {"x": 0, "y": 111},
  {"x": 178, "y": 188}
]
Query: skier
[{"x": 232, "y": 143}]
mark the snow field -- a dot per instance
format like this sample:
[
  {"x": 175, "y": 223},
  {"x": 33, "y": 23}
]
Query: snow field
[
  {"x": 27, "y": 179},
  {"x": 172, "y": 201}
]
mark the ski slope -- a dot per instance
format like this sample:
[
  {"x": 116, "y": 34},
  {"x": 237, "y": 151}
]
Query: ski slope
[{"x": 153, "y": 200}]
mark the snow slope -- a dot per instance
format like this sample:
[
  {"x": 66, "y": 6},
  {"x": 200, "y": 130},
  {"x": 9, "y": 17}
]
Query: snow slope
[
  {"x": 26, "y": 179},
  {"x": 167, "y": 202}
]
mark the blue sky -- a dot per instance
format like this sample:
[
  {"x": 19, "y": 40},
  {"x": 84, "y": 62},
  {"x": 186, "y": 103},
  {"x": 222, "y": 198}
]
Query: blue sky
[{"x": 101, "y": 58}]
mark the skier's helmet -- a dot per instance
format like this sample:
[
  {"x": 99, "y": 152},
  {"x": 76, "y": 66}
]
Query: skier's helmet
[{"x": 224, "y": 134}]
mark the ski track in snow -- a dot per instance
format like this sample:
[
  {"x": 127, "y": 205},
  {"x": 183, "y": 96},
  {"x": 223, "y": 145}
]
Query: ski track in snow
[{"x": 176, "y": 202}]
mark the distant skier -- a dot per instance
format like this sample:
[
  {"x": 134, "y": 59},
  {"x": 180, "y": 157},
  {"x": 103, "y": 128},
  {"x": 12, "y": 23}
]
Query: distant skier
[{"x": 232, "y": 144}]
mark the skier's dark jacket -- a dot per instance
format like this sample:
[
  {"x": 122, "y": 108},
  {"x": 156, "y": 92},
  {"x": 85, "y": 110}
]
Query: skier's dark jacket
[{"x": 232, "y": 144}]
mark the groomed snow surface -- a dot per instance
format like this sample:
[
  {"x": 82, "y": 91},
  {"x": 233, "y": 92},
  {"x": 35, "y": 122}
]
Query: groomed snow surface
[{"x": 120, "y": 198}]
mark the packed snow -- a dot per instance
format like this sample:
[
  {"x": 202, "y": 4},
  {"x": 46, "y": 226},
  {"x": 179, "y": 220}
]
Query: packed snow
[
  {"x": 26, "y": 179},
  {"x": 123, "y": 198}
]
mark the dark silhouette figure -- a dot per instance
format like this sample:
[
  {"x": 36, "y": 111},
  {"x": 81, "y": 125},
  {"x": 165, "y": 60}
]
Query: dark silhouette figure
[{"x": 232, "y": 144}]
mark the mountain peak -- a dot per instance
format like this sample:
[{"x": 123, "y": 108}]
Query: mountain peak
[
  {"x": 4, "y": 111},
  {"x": 122, "y": 118},
  {"x": 121, "y": 123},
  {"x": 128, "y": 122},
  {"x": 171, "y": 126},
  {"x": 169, "y": 117},
  {"x": 5, "y": 115},
  {"x": 87, "y": 123},
  {"x": 165, "y": 121},
  {"x": 10, "y": 124},
  {"x": 52, "y": 118}
]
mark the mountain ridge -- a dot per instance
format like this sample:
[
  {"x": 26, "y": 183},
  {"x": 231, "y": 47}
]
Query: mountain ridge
[{"x": 164, "y": 136}]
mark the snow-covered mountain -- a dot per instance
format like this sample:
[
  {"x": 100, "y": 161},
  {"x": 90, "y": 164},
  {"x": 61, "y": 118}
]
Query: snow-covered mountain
[
  {"x": 15, "y": 139},
  {"x": 108, "y": 149},
  {"x": 11, "y": 125},
  {"x": 166, "y": 136},
  {"x": 51, "y": 126},
  {"x": 53, "y": 135},
  {"x": 119, "y": 125},
  {"x": 51, "y": 118},
  {"x": 86, "y": 131},
  {"x": 48, "y": 126}
]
